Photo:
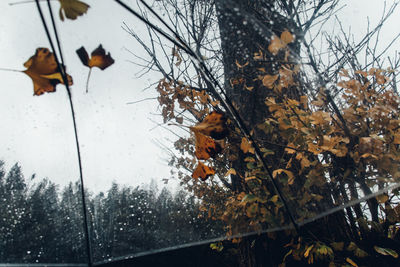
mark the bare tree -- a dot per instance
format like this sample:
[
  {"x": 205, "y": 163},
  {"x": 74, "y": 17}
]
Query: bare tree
[{"x": 222, "y": 50}]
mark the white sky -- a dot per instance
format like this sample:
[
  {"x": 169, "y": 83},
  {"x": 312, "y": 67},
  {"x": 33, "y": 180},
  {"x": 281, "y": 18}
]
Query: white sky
[
  {"x": 37, "y": 130},
  {"x": 116, "y": 143}
]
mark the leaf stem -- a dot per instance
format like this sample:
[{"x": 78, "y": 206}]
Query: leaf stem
[
  {"x": 5, "y": 69},
  {"x": 87, "y": 81},
  {"x": 23, "y": 2}
]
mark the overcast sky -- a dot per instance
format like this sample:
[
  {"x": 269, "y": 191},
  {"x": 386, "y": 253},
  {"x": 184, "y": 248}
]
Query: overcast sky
[
  {"x": 36, "y": 131},
  {"x": 116, "y": 141}
]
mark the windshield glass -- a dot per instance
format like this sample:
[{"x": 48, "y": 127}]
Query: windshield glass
[{"x": 134, "y": 127}]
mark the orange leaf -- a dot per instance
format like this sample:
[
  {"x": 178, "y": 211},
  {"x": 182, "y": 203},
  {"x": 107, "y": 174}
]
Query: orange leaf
[
  {"x": 286, "y": 77},
  {"x": 98, "y": 58},
  {"x": 269, "y": 80},
  {"x": 351, "y": 262},
  {"x": 304, "y": 101},
  {"x": 258, "y": 55},
  {"x": 42, "y": 69},
  {"x": 289, "y": 149},
  {"x": 320, "y": 117},
  {"x": 275, "y": 45},
  {"x": 206, "y": 147},
  {"x": 202, "y": 171},
  {"x": 241, "y": 66},
  {"x": 250, "y": 88},
  {"x": 246, "y": 146},
  {"x": 287, "y": 37},
  {"x": 231, "y": 171},
  {"x": 368, "y": 155},
  {"x": 212, "y": 125},
  {"x": 396, "y": 139}
]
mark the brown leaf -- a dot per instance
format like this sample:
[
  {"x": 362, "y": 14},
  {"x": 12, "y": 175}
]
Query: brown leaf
[
  {"x": 202, "y": 171},
  {"x": 212, "y": 125},
  {"x": 275, "y": 45},
  {"x": 352, "y": 263},
  {"x": 179, "y": 120},
  {"x": 269, "y": 80},
  {"x": 98, "y": 58},
  {"x": 231, "y": 171},
  {"x": 386, "y": 252},
  {"x": 287, "y": 37},
  {"x": 206, "y": 147},
  {"x": 241, "y": 66},
  {"x": 42, "y": 69},
  {"x": 72, "y": 9},
  {"x": 250, "y": 88},
  {"x": 175, "y": 53},
  {"x": 246, "y": 146}
]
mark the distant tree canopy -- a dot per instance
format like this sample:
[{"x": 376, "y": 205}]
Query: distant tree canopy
[{"x": 43, "y": 224}]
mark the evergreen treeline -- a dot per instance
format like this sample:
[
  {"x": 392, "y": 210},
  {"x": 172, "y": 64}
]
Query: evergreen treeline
[{"x": 41, "y": 223}]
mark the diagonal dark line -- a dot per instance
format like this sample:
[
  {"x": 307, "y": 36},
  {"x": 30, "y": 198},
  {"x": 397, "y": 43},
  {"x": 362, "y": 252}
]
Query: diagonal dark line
[
  {"x": 56, "y": 34},
  {"x": 154, "y": 27},
  {"x": 225, "y": 100},
  {"x": 65, "y": 79}
]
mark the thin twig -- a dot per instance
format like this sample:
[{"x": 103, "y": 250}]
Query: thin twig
[{"x": 141, "y": 100}]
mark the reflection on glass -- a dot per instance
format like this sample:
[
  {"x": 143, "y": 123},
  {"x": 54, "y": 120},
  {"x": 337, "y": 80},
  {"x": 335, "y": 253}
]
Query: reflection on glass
[
  {"x": 266, "y": 122},
  {"x": 131, "y": 220},
  {"x": 40, "y": 223}
]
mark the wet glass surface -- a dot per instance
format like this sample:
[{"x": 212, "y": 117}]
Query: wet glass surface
[{"x": 308, "y": 123}]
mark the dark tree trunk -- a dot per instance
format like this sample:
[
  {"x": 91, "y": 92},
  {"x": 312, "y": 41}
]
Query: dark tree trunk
[{"x": 246, "y": 28}]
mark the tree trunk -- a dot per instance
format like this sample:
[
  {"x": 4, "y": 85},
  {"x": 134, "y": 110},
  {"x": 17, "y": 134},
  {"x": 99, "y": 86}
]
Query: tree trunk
[{"x": 241, "y": 37}]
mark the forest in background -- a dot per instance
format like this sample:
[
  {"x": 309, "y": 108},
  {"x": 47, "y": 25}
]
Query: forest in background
[{"x": 42, "y": 223}]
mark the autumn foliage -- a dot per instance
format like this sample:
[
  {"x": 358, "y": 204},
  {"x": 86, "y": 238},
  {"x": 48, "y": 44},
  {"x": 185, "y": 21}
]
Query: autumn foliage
[
  {"x": 71, "y": 9},
  {"x": 321, "y": 150},
  {"x": 43, "y": 70},
  {"x": 98, "y": 58}
]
